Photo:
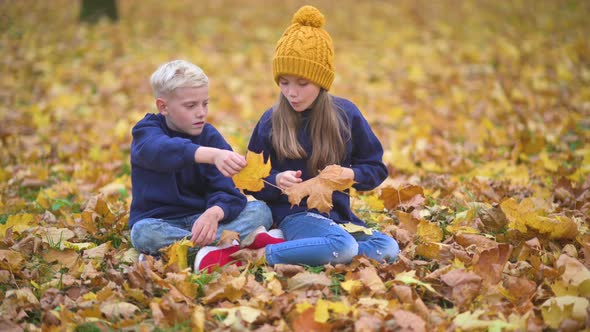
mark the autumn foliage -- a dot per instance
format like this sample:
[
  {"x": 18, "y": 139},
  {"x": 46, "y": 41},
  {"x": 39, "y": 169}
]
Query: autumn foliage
[{"x": 483, "y": 109}]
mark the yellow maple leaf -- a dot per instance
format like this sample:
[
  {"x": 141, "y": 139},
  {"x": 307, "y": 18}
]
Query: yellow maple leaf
[
  {"x": 177, "y": 254},
  {"x": 519, "y": 214},
  {"x": 250, "y": 177},
  {"x": 18, "y": 222},
  {"x": 320, "y": 188},
  {"x": 526, "y": 215}
]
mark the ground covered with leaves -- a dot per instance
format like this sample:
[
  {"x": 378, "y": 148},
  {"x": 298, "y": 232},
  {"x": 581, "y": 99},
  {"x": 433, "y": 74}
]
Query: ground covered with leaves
[{"x": 483, "y": 108}]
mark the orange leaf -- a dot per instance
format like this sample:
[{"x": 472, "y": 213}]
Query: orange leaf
[
  {"x": 250, "y": 177},
  {"x": 408, "y": 195},
  {"x": 320, "y": 188}
]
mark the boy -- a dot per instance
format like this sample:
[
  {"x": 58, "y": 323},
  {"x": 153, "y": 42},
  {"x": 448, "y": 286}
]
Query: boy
[{"x": 180, "y": 169}]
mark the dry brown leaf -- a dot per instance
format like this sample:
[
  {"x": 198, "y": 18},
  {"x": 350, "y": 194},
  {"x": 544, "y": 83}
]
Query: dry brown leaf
[
  {"x": 464, "y": 286},
  {"x": 406, "y": 196},
  {"x": 320, "y": 188},
  {"x": 307, "y": 279}
]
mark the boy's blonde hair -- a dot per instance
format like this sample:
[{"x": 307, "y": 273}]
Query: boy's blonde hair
[{"x": 177, "y": 74}]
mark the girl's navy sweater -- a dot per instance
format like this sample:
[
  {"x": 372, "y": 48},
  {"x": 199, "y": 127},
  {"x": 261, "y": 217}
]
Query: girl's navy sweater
[{"x": 364, "y": 155}]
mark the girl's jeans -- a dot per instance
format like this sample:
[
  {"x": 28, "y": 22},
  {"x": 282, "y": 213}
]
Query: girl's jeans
[
  {"x": 151, "y": 234},
  {"x": 315, "y": 240}
]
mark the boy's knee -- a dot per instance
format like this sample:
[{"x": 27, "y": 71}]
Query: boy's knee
[
  {"x": 141, "y": 238},
  {"x": 262, "y": 213}
]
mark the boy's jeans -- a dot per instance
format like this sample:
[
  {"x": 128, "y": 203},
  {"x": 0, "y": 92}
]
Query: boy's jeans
[
  {"x": 315, "y": 240},
  {"x": 151, "y": 234}
]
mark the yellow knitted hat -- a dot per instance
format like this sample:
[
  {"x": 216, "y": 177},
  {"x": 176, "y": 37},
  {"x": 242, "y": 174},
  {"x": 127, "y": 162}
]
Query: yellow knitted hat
[{"x": 305, "y": 49}]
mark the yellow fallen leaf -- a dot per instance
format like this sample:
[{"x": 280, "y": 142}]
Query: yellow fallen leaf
[
  {"x": 354, "y": 228},
  {"x": 323, "y": 308},
  {"x": 470, "y": 321},
  {"x": 575, "y": 279},
  {"x": 198, "y": 319},
  {"x": 18, "y": 222},
  {"x": 250, "y": 177},
  {"x": 519, "y": 214},
  {"x": 409, "y": 278},
  {"x": 79, "y": 246},
  {"x": 303, "y": 306},
  {"x": 235, "y": 314},
  {"x": 350, "y": 285},
  {"x": 177, "y": 254},
  {"x": 557, "y": 309}
]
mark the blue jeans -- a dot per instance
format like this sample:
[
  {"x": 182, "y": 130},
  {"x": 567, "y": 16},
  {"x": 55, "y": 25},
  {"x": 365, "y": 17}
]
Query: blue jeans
[
  {"x": 315, "y": 240},
  {"x": 151, "y": 234}
]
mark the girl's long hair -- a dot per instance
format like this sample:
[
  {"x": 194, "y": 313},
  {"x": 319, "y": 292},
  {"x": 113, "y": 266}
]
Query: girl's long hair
[{"x": 327, "y": 128}]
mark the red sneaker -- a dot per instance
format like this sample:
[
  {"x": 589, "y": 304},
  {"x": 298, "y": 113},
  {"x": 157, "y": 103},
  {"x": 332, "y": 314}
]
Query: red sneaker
[
  {"x": 209, "y": 257},
  {"x": 260, "y": 238}
]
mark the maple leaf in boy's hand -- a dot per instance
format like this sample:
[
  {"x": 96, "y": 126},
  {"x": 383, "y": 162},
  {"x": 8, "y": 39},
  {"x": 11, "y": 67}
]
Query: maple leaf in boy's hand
[
  {"x": 250, "y": 177},
  {"x": 320, "y": 188}
]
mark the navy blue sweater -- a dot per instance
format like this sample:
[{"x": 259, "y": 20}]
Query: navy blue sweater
[
  {"x": 167, "y": 182},
  {"x": 363, "y": 154}
]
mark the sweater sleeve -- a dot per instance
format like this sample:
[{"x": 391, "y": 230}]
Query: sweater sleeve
[
  {"x": 152, "y": 149},
  {"x": 367, "y": 154},
  {"x": 260, "y": 143},
  {"x": 221, "y": 190}
]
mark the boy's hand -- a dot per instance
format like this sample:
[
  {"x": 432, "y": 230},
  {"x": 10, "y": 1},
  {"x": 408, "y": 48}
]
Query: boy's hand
[
  {"x": 229, "y": 163},
  {"x": 205, "y": 227},
  {"x": 287, "y": 179}
]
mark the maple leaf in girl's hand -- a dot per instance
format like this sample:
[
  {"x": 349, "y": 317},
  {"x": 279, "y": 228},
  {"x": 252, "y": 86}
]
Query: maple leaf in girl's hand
[
  {"x": 250, "y": 177},
  {"x": 320, "y": 188}
]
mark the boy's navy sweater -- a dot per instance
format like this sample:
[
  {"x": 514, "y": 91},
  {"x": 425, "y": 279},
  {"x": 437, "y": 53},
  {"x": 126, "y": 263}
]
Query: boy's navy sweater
[
  {"x": 166, "y": 181},
  {"x": 364, "y": 156}
]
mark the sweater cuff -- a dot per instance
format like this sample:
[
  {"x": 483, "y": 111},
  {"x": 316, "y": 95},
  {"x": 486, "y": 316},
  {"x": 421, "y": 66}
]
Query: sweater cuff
[{"x": 189, "y": 153}]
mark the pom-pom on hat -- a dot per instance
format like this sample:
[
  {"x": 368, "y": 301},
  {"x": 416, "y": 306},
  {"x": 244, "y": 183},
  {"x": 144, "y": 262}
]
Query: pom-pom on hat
[{"x": 305, "y": 49}]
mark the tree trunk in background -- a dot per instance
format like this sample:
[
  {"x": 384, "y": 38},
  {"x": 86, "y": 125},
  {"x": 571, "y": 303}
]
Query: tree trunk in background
[{"x": 92, "y": 10}]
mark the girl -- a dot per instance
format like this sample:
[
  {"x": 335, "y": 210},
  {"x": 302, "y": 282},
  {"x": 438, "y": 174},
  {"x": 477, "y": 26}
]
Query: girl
[{"x": 307, "y": 130}]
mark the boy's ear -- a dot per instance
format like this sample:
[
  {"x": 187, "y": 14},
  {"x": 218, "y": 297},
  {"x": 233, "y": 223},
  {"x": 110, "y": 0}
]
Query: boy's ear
[{"x": 161, "y": 105}]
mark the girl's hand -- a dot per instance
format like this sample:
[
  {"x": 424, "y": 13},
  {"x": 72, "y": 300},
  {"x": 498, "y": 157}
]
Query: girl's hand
[{"x": 287, "y": 179}]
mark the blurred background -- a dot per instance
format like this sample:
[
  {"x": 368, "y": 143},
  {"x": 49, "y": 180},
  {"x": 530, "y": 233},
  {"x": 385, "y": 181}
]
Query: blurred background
[{"x": 451, "y": 87}]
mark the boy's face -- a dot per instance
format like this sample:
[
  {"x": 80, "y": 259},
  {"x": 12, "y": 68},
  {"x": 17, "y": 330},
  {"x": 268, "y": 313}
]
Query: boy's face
[{"x": 185, "y": 109}]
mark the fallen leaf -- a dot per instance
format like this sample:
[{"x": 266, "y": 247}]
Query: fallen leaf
[
  {"x": 307, "y": 279},
  {"x": 177, "y": 254},
  {"x": 117, "y": 310},
  {"x": 408, "y": 321},
  {"x": 323, "y": 308},
  {"x": 246, "y": 313},
  {"x": 354, "y": 228},
  {"x": 406, "y": 196},
  {"x": 557, "y": 309}
]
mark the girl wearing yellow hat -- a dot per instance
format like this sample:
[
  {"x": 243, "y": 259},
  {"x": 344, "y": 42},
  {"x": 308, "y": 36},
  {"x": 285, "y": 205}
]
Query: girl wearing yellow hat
[{"x": 305, "y": 131}]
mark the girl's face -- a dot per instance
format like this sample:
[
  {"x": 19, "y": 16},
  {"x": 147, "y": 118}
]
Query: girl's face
[{"x": 300, "y": 92}]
